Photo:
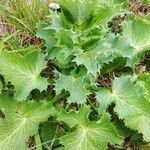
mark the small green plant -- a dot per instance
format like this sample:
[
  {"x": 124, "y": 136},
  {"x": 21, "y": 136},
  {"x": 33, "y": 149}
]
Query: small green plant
[{"x": 87, "y": 88}]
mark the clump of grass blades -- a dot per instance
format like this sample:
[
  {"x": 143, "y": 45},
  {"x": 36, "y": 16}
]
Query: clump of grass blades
[{"x": 24, "y": 14}]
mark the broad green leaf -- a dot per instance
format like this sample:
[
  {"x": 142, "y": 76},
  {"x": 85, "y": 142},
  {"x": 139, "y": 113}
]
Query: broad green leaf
[
  {"x": 133, "y": 42},
  {"x": 47, "y": 34},
  {"x": 119, "y": 45},
  {"x": 121, "y": 128},
  {"x": 89, "y": 60},
  {"x": 106, "y": 98},
  {"x": 106, "y": 12},
  {"x": 63, "y": 57},
  {"x": 132, "y": 62},
  {"x": 130, "y": 103},
  {"x": 88, "y": 135},
  {"x": 75, "y": 85},
  {"x": 55, "y": 21},
  {"x": 23, "y": 72},
  {"x": 85, "y": 13},
  {"x": 140, "y": 122},
  {"x": 94, "y": 58},
  {"x": 21, "y": 121},
  {"x": 65, "y": 38},
  {"x": 77, "y": 11},
  {"x": 113, "y": 66},
  {"x": 137, "y": 33},
  {"x": 106, "y": 2},
  {"x": 125, "y": 94},
  {"x": 144, "y": 81},
  {"x": 50, "y": 133},
  {"x": 58, "y": 21},
  {"x": 107, "y": 50},
  {"x": 90, "y": 38},
  {"x": 75, "y": 118}
]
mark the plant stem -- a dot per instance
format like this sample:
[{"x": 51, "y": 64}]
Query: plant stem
[
  {"x": 92, "y": 105},
  {"x": 38, "y": 142},
  {"x": 59, "y": 97}
]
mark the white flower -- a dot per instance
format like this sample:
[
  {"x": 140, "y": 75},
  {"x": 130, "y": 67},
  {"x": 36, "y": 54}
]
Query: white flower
[{"x": 54, "y": 6}]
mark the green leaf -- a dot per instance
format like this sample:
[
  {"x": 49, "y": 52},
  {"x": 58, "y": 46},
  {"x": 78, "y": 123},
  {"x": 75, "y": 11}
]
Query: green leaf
[
  {"x": 75, "y": 118},
  {"x": 144, "y": 81},
  {"x": 64, "y": 56},
  {"x": 113, "y": 66},
  {"x": 106, "y": 12},
  {"x": 131, "y": 104},
  {"x": 64, "y": 38},
  {"x": 133, "y": 41},
  {"x": 21, "y": 121},
  {"x": 85, "y": 13},
  {"x": 132, "y": 62},
  {"x": 125, "y": 94},
  {"x": 47, "y": 34},
  {"x": 58, "y": 21},
  {"x": 119, "y": 45},
  {"x": 50, "y": 133},
  {"x": 107, "y": 51},
  {"x": 140, "y": 122},
  {"x": 23, "y": 72},
  {"x": 105, "y": 97},
  {"x": 90, "y": 38},
  {"x": 77, "y": 11},
  {"x": 94, "y": 58},
  {"x": 89, "y": 60},
  {"x": 55, "y": 21},
  {"x": 88, "y": 135},
  {"x": 137, "y": 33},
  {"x": 75, "y": 85}
]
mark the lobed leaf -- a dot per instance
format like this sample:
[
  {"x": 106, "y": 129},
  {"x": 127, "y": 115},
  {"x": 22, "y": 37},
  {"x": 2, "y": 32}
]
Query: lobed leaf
[
  {"x": 21, "y": 121},
  {"x": 23, "y": 72},
  {"x": 137, "y": 33},
  {"x": 88, "y": 135},
  {"x": 75, "y": 85},
  {"x": 131, "y": 104}
]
